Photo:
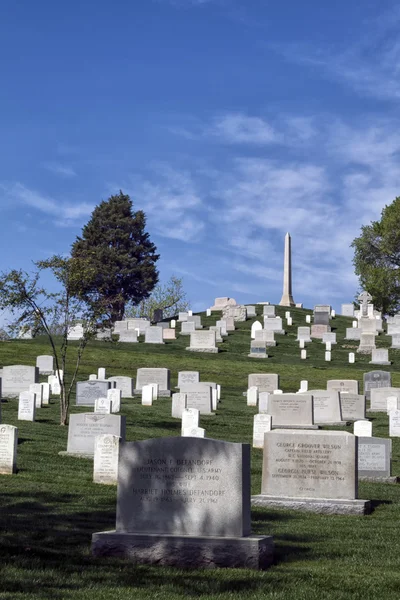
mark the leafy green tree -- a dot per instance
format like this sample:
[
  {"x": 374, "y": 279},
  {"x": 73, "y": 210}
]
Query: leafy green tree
[
  {"x": 170, "y": 298},
  {"x": 40, "y": 310},
  {"x": 377, "y": 259},
  {"x": 114, "y": 258}
]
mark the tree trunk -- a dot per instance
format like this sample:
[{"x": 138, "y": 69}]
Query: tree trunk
[{"x": 64, "y": 405}]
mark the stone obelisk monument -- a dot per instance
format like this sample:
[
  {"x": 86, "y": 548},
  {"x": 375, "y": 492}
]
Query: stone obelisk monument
[{"x": 287, "y": 298}]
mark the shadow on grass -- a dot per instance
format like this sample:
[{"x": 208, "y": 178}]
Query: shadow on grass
[{"x": 46, "y": 539}]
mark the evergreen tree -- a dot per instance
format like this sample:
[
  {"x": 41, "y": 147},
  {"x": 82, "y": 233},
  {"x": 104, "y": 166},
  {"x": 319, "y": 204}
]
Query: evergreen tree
[{"x": 114, "y": 258}]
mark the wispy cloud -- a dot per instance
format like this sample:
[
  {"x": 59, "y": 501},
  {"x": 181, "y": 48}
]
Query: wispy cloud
[
  {"x": 58, "y": 169},
  {"x": 64, "y": 214},
  {"x": 171, "y": 200},
  {"x": 238, "y": 128},
  {"x": 370, "y": 65}
]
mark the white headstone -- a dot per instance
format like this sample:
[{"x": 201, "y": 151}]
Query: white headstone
[
  {"x": 289, "y": 321},
  {"x": 37, "y": 389},
  {"x": 193, "y": 432},
  {"x": 303, "y": 385},
  {"x": 147, "y": 395},
  {"x": 154, "y": 387},
  {"x": 45, "y": 393},
  {"x": 106, "y": 455},
  {"x": 363, "y": 428},
  {"x": 252, "y": 394},
  {"x": 302, "y": 344},
  {"x": 308, "y": 318},
  {"x": 328, "y": 346},
  {"x": 257, "y": 326},
  {"x": 102, "y": 406},
  {"x": 392, "y": 403},
  {"x": 355, "y": 324},
  {"x": 261, "y": 424},
  {"x": 101, "y": 373},
  {"x": 394, "y": 423},
  {"x": 114, "y": 395},
  {"x": 190, "y": 418},
  {"x": 8, "y": 449},
  {"x": 208, "y": 312},
  {"x": 303, "y": 354},
  {"x": 172, "y": 324},
  {"x": 328, "y": 356},
  {"x": 263, "y": 402},
  {"x": 93, "y": 377},
  {"x": 26, "y": 406},
  {"x": 352, "y": 357},
  {"x": 178, "y": 405}
]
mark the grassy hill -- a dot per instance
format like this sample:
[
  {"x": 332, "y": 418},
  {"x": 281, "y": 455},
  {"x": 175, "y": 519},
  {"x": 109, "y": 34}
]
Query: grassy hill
[{"x": 49, "y": 510}]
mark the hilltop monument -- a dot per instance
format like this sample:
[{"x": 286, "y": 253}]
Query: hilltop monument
[{"x": 287, "y": 298}]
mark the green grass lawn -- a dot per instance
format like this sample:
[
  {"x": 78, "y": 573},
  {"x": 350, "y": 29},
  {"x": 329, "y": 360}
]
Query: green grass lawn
[{"x": 50, "y": 508}]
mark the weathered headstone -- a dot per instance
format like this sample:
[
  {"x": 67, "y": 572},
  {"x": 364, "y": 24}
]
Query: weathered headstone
[
  {"x": 379, "y": 396},
  {"x": 128, "y": 336},
  {"x": 196, "y": 319},
  {"x": 185, "y": 377},
  {"x": 187, "y": 327},
  {"x": 367, "y": 343},
  {"x": 45, "y": 364},
  {"x": 85, "y": 427},
  {"x": 125, "y": 384},
  {"x": 343, "y": 385},
  {"x": 147, "y": 395},
  {"x": 291, "y": 410},
  {"x": 167, "y": 488},
  {"x": 252, "y": 396},
  {"x": 353, "y": 334},
  {"x": 153, "y": 335},
  {"x": 45, "y": 393},
  {"x": 263, "y": 402},
  {"x": 311, "y": 470},
  {"x": 156, "y": 375},
  {"x": 318, "y": 331},
  {"x": 380, "y": 357},
  {"x": 326, "y": 407},
  {"x": 88, "y": 391},
  {"x": 303, "y": 333},
  {"x": 352, "y": 406},
  {"x": 258, "y": 349},
  {"x": 265, "y": 382},
  {"x": 265, "y": 336},
  {"x": 329, "y": 337},
  {"x": 203, "y": 341},
  {"x": 200, "y": 398},
  {"x": 17, "y": 378},
  {"x": 169, "y": 334},
  {"x": 348, "y": 310},
  {"x": 105, "y": 463},
  {"x": 8, "y": 449},
  {"x": 197, "y": 432}
]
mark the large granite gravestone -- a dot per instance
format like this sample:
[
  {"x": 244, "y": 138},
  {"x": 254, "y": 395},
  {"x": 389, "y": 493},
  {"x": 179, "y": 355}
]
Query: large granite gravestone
[
  {"x": 375, "y": 460},
  {"x": 178, "y": 405},
  {"x": 45, "y": 364},
  {"x": 105, "y": 463},
  {"x": 17, "y": 378},
  {"x": 376, "y": 379},
  {"x": 75, "y": 333},
  {"x": 304, "y": 333},
  {"x": 89, "y": 391},
  {"x": 291, "y": 410},
  {"x": 274, "y": 324},
  {"x": 141, "y": 324},
  {"x": 311, "y": 470},
  {"x": 265, "y": 336},
  {"x": 153, "y": 335},
  {"x": 367, "y": 343},
  {"x": 343, "y": 385},
  {"x": 196, "y": 319},
  {"x": 379, "y": 396},
  {"x": 184, "y": 502},
  {"x": 85, "y": 427},
  {"x": 352, "y": 406},
  {"x": 8, "y": 449},
  {"x": 125, "y": 384},
  {"x": 203, "y": 341},
  {"x": 265, "y": 382},
  {"x": 269, "y": 311},
  {"x": 326, "y": 407},
  {"x": 394, "y": 423},
  {"x": 322, "y": 318},
  {"x": 168, "y": 334},
  {"x": 160, "y": 376}
]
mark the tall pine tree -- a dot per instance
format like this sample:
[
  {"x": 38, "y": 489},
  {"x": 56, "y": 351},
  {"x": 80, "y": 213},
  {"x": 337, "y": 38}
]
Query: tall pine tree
[{"x": 114, "y": 258}]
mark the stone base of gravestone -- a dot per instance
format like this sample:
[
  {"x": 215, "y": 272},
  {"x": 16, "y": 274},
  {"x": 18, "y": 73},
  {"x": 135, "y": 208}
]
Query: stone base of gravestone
[
  {"x": 377, "y": 362},
  {"x": 160, "y": 393},
  {"x": 208, "y": 350},
  {"x": 253, "y": 552},
  {"x": 312, "y": 427},
  {"x": 257, "y": 355},
  {"x": 316, "y": 505},
  {"x": 75, "y": 454}
]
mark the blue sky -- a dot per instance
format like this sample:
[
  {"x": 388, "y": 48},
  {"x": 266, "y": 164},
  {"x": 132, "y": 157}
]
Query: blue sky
[{"x": 229, "y": 122}]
